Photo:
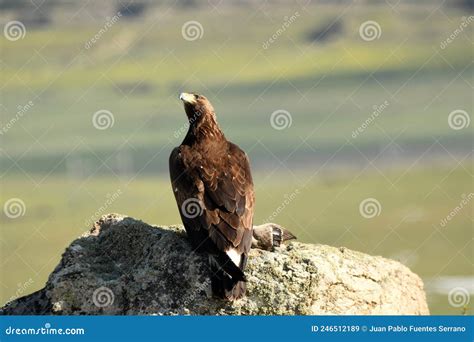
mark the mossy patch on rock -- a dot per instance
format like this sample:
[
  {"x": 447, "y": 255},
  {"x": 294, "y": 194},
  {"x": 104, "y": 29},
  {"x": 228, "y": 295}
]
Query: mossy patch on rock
[{"x": 125, "y": 266}]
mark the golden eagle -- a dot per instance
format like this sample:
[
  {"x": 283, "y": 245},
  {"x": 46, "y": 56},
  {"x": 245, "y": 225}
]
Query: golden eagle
[{"x": 213, "y": 188}]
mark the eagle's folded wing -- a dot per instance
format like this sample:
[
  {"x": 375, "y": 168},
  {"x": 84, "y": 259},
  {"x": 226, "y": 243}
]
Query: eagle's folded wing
[
  {"x": 228, "y": 202},
  {"x": 226, "y": 197}
]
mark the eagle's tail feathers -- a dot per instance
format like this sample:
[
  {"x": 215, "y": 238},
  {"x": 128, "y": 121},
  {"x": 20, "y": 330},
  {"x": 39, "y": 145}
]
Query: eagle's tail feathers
[
  {"x": 227, "y": 279},
  {"x": 222, "y": 262}
]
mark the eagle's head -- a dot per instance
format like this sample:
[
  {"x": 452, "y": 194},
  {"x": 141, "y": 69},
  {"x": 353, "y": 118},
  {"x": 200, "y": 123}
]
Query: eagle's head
[{"x": 197, "y": 106}]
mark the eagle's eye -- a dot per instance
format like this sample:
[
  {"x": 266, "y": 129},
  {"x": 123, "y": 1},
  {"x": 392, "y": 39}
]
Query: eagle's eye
[{"x": 196, "y": 96}]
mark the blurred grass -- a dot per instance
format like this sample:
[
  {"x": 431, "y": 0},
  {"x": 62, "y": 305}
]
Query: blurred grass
[
  {"x": 326, "y": 211},
  {"x": 137, "y": 67},
  {"x": 64, "y": 168}
]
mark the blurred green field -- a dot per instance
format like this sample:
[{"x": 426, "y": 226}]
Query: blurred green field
[
  {"x": 409, "y": 159},
  {"x": 137, "y": 69},
  {"x": 325, "y": 210}
]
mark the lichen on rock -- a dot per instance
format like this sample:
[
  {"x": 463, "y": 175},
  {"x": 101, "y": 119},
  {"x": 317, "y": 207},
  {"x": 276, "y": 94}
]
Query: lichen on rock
[{"x": 124, "y": 266}]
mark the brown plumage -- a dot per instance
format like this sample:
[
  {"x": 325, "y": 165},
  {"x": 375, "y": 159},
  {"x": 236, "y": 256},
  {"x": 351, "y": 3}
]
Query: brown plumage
[{"x": 213, "y": 188}]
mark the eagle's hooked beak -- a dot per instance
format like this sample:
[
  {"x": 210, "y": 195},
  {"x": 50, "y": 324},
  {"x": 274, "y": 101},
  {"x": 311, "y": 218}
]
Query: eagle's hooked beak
[{"x": 187, "y": 98}]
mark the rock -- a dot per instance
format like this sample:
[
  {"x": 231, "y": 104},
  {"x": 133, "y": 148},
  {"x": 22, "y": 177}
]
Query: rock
[{"x": 126, "y": 267}]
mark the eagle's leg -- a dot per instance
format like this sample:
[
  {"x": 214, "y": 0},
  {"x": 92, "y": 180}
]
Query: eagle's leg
[{"x": 270, "y": 235}]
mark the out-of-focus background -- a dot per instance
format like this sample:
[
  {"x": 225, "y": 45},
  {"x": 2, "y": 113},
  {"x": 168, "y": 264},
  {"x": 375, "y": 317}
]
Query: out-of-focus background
[{"x": 355, "y": 114}]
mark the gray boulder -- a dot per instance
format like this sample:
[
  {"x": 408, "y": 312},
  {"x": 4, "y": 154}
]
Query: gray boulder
[{"x": 124, "y": 266}]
